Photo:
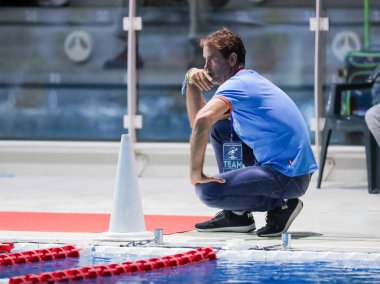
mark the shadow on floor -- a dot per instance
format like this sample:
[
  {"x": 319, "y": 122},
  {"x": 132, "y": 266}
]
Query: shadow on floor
[
  {"x": 298, "y": 235},
  {"x": 301, "y": 235}
]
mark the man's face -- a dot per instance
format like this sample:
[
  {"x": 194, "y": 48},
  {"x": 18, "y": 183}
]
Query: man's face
[{"x": 216, "y": 65}]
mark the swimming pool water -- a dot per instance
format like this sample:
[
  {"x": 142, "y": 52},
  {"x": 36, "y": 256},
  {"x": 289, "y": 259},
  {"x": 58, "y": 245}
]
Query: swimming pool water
[{"x": 223, "y": 270}]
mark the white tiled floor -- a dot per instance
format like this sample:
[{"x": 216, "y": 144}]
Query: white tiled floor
[{"x": 336, "y": 217}]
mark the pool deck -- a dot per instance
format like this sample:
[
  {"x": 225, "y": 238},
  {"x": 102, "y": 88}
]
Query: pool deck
[{"x": 339, "y": 217}]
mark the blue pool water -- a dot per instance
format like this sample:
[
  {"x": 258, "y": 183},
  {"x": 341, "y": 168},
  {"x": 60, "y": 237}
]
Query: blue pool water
[{"x": 223, "y": 270}]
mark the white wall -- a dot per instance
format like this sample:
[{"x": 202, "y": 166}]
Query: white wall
[{"x": 345, "y": 163}]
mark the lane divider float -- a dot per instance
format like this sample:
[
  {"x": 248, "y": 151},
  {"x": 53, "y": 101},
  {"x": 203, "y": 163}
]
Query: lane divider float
[
  {"x": 6, "y": 247},
  {"x": 90, "y": 272},
  {"x": 38, "y": 255}
]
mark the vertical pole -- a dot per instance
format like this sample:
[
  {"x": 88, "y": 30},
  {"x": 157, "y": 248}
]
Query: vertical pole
[
  {"x": 193, "y": 16},
  {"x": 317, "y": 79},
  {"x": 131, "y": 71}
]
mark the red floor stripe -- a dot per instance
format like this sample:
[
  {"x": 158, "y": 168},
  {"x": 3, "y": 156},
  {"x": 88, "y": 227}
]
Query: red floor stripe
[{"x": 88, "y": 222}]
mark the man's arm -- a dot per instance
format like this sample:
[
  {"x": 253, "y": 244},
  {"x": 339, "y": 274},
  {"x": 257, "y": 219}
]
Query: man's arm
[
  {"x": 213, "y": 111},
  {"x": 198, "y": 81}
]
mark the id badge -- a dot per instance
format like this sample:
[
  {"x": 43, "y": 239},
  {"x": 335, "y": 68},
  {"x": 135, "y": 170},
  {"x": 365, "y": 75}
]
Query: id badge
[{"x": 232, "y": 156}]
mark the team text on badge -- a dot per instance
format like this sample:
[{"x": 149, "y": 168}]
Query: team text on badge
[{"x": 232, "y": 156}]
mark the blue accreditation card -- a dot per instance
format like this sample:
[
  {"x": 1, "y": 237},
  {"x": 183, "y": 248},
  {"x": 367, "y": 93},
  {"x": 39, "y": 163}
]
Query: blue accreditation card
[{"x": 232, "y": 156}]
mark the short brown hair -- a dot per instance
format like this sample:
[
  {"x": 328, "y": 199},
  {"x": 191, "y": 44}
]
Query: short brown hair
[{"x": 227, "y": 42}]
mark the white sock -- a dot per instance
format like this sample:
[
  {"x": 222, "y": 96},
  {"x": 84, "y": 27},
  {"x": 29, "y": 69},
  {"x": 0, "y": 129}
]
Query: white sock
[
  {"x": 239, "y": 213},
  {"x": 285, "y": 205}
]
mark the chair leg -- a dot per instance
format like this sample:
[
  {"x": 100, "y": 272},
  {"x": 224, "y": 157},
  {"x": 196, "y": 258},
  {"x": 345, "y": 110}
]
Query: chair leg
[
  {"x": 326, "y": 134},
  {"x": 376, "y": 169},
  {"x": 372, "y": 155}
]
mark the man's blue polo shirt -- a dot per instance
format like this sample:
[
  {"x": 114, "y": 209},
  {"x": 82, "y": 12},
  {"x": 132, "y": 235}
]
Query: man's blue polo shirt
[{"x": 269, "y": 122}]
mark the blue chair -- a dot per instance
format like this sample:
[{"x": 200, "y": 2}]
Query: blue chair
[{"x": 336, "y": 121}]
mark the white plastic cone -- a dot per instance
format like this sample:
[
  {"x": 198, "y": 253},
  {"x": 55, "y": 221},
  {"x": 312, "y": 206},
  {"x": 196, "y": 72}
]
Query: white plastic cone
[{"x": 127, "y": 218}]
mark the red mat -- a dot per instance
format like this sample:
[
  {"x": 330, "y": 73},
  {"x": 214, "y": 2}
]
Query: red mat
[{"x": 89, "y": 223}]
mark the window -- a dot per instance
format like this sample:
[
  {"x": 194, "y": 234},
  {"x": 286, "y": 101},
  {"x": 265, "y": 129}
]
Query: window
[{"x": 63, "y": 63}]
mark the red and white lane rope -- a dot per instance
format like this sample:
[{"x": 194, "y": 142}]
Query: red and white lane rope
[
  {"x": 90, "y": 272},
  {"x": 38, "y": 255},
  {"x": 6, "y": 247}
]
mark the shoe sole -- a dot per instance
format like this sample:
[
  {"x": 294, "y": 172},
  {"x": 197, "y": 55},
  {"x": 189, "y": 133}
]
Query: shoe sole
[
  {"x": 244, "y": 229},
  {"x": 295, "y": 213}
]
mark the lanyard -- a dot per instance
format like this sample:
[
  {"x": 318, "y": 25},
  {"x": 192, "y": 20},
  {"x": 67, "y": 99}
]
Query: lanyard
[{"x": 232, "y": 129}]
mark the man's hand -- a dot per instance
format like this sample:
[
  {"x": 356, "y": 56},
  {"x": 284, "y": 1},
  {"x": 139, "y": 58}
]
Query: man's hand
[
  {"x": 201, "y": 79},
  {"x": 202, "y": 178}
]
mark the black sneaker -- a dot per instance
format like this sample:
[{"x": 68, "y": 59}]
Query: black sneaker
[
  {"x": 280, "y": 219},
  {"x": 227, "y": 221}
]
